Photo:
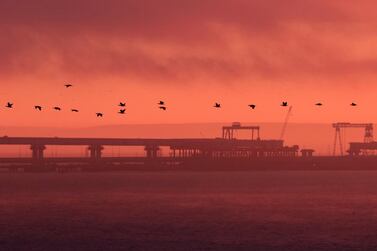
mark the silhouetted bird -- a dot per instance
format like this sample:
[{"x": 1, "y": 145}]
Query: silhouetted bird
[
  {"x": 284, "y": 103},
  {"x": 122, "y": 104},
  {"x": 38, "y": 107},
  {"x": 318, "y": 104},
  {"x": 217, "y": 105},
  {"x": 161, "y": 103},
  {"x": 57, "y": 108},
  {"x": 122, "y": 111},
  {"x": 163, "y": 108},
  {"x": 252, "y": 106},
  {"x": 68, "y": 85},
  {"x": 353, "y": 104},
  {"x": 99, "y": 114},
  {"x": 9, "y": 105},
  {"x": 74, "y": 110}
]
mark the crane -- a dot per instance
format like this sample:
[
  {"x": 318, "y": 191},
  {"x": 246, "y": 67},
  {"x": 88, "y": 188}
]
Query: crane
[
  {"x": 368, "y": 135},
  {"x": 285, "y": 123}
]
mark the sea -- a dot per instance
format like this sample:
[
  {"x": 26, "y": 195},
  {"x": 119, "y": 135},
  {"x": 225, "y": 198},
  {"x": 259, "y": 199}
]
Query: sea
[{"x": 193, "y": 211}]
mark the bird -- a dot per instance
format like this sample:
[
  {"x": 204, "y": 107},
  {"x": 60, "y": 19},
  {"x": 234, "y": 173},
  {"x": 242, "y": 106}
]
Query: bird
[
  {"x": 284, "y": 103},
  {"x": 353, "y": 104},
  {"x": 161, "y": 103},
  {"x": 68, "y": 85},
  {"x": 122, "y": 104},
  {"x": 57, "y": 108},
  {"x": 122, "y": 111},
  {"x": 99, "y": 114},
  {"x": 38, "y": 107},
  {"x": 74, "y": 110},
  {"x": 217, "y": 105},
  {"x": 252, "y": 106},
  {"x": 163, "y": 108},
  {"x": 318, "y": 104},
  {"x": 9, "y": 105}
]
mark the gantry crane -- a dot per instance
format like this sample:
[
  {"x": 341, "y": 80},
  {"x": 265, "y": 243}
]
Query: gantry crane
[
  {"x": 228, "y": 131},
  {"x": 341, "y": 126}
]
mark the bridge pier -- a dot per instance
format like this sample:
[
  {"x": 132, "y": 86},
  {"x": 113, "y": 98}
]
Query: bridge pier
[
  {"x": 152, "y": 151},
  {"x": 95, "y": 152},
  {"x": 37, "y": 153}
]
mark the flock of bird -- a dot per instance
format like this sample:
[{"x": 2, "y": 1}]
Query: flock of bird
[{"x": 122, "y": 105}]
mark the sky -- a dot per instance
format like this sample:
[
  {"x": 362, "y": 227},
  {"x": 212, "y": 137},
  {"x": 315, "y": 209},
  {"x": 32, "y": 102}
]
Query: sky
[{"x": 191, "y": 54}]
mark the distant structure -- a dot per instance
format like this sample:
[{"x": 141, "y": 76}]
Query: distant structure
[
  {"x": 340, "y": 129},
  {"x": 285, "y": 123},
  {"x": 228, "y": 131},
  {"x": 307, "y": 153}
]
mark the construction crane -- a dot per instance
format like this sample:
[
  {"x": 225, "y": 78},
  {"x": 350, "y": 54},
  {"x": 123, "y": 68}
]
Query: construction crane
[
  {"x": 341, "y": 126},
  {"x": 285, "y": 123}
]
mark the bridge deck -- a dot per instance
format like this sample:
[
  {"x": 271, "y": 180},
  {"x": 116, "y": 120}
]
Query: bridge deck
[{"x": 137, "y": 142}]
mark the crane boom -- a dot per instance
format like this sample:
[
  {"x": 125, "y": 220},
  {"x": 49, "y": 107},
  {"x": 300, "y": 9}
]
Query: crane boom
[{"x": 285, "y": 122}]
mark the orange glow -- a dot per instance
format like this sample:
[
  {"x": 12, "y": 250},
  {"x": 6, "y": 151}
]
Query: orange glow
[{"x": 232, "y": 52}]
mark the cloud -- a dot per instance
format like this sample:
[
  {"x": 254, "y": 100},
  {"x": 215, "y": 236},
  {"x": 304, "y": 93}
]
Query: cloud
[{"x": 187, "y": 41}]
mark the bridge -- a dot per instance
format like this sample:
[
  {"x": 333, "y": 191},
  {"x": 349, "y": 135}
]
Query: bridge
[{"x": 180, "y": 149}]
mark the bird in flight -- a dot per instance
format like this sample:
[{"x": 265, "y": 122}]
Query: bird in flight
[
  {"x": 56, "y": 108},
  {"x": 284, "y": 103},
  {"x": 99, "y": 114},
  {"x": 318, "y": 104},
  {"x": 163, "y": 108},
  {"x": 252, "y": 106},
  {"x": 38, "y": 107},
  {"x": 161, "y": 103},
  {"x": 68, "y": 85},
  {"x": 122, "y": 111},
  {"x": 74, "y": 110},
  {"x": 122, "y": 104},
  {"x": 217, "y": 105},
  {"x": 353, "y": 104},
  {"x": 9, "y": 105}
]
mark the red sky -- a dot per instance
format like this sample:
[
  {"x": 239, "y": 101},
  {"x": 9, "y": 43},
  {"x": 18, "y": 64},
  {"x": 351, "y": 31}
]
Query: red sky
[{"x": 190, "y": 53}]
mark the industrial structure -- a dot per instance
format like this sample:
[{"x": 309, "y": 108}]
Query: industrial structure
[
  {"x": 228, "y": 131},
  {"x": 340, "y": 130},
  {"x": 227, "y": 152}
]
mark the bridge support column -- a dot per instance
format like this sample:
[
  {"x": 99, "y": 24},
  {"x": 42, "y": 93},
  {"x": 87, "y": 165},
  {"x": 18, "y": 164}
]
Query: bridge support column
[
  {"x": 37, "y": 153},
  {"x": 95, "y": 152},
  {"x": 152, "y": 151}
]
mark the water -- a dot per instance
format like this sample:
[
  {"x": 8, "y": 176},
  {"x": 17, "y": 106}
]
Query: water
[{"x": 189, "y": 211}]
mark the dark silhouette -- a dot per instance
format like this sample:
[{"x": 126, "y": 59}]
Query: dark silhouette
[
  {"x": 38, "y": 107},
  {"x": 353, "y": 104},
  {"x": 68, "y": 85},
  {"x": 318, "y": 104},
  {"x": 122, "y": 111},
  {"x": 217, "y": 105},
  {"x": 122, "y": 104},
  {"x": 252, "y": 106},
  {"x": 99, "y": 114},
  {"x": 161, "y": 103},
  {"x": 163, "y": 108},
  {"x": 284, "y": 103},
  {"x": 74, "y": 110},
  {"x": 56, "y": 108},
  {"x": 9, "y": 105}
]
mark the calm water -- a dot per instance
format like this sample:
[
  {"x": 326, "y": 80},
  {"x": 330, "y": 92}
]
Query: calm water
[{"x": 189, "y": 211}]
